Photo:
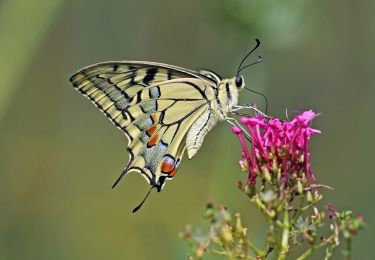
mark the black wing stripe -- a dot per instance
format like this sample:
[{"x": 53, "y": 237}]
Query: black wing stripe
[
  {"x": 120, "y": 67},
  {"x": 150, "y": 75},
  {"x": 200, "y": 130},
  {"x": 197, "y": 88}
]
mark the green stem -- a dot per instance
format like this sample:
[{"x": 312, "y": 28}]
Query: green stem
[
  {"x": 329, "y": 252},
  {"x": 307, "y": 253},
  {"x": 285, "y": 237},
  {"x": 270, "y": 214},
  {"x": 271, "y": 237},
  {"x": 312, "y": 249},
  {"x": 253, "y": 248},
  {"x": 347, "y": 252},
  {"x": 232, "y": 256}
]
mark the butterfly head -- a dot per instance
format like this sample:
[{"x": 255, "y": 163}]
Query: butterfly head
[
  {"x": 239, "y": 82},
  {"x": 228, "y": 92}
]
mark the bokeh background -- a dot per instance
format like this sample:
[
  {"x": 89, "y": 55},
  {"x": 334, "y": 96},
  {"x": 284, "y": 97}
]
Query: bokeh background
[{"x": 59, "y": 155}]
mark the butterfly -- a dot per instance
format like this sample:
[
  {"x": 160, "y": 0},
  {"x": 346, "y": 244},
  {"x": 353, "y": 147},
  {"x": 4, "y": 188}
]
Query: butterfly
[{"x": 163, "y": 110}]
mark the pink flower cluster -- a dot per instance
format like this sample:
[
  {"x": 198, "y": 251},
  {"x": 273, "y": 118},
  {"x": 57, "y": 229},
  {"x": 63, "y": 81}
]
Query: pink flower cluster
[{"x": 277, "y": 147}]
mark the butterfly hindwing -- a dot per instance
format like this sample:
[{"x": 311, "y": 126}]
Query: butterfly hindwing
[{"x": 157, "y": 136}]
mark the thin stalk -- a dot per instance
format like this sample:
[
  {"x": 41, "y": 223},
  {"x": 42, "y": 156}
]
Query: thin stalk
[
  {"x": 285, "y": 237},
  {"x": 347, "y": 252},
  {"x": 232, "y": 256},
  {"x": 312, "y": 249},
  {"x": 253, "y": 248}
]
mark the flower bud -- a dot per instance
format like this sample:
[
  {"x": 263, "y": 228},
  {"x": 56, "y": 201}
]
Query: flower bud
[
  {"x": 267, "y": 174},
  {"x": 200, "y": 252},
  {"x": 226, "y": 234},
  {"x": 240, "y": 230},
  {"x": 317, "y": 196},
  {"x": 309, "y": 197},
  {"x": 299, "y": 187},
  {"x": 244, "y": 166}
]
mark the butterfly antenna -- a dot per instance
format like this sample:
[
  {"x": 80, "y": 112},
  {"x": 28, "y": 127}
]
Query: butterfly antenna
[
  {"x": 256, "y": 46},
  {"x": 143, "y": 201},
  {"x": 260, "y": 59},
  {"x": 264, "y": 96}
]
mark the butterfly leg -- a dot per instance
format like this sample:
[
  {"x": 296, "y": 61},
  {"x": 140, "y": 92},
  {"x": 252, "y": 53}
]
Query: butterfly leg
[
  {"x": 232, "y": 121},
  {"x": 249, "y": 106}
]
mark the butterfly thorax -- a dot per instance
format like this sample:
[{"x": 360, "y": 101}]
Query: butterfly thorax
[{"x": 227, "y": 96}]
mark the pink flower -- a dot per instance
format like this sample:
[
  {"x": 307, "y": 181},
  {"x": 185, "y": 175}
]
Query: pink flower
[
  {"x": 277, "y": 146},
  {"x": 332, "y": 213}
]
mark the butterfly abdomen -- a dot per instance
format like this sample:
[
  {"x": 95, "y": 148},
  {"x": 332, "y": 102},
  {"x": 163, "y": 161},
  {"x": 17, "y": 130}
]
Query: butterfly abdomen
[{"x": 199, "y": 130}]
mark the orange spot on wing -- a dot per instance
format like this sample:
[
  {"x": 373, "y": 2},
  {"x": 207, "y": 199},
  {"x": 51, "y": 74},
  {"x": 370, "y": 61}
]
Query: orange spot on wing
[
  {"x": 154, "y": 117},
  {"x": 173, "y": 172},
  {"x": 151, "y": 130},
  {"x": 166, "y": 167},
  {"x": 152, "y": 141}
]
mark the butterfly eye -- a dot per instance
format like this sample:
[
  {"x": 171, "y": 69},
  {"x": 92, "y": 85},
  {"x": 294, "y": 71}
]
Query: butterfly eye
[{"x": 238, "y": 81}]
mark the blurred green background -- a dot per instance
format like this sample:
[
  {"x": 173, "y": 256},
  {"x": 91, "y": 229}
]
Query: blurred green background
[{"x": 59, "y": 155}]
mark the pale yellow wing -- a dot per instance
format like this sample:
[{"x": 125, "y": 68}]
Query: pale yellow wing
[{"x": 153, "y": 104}]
